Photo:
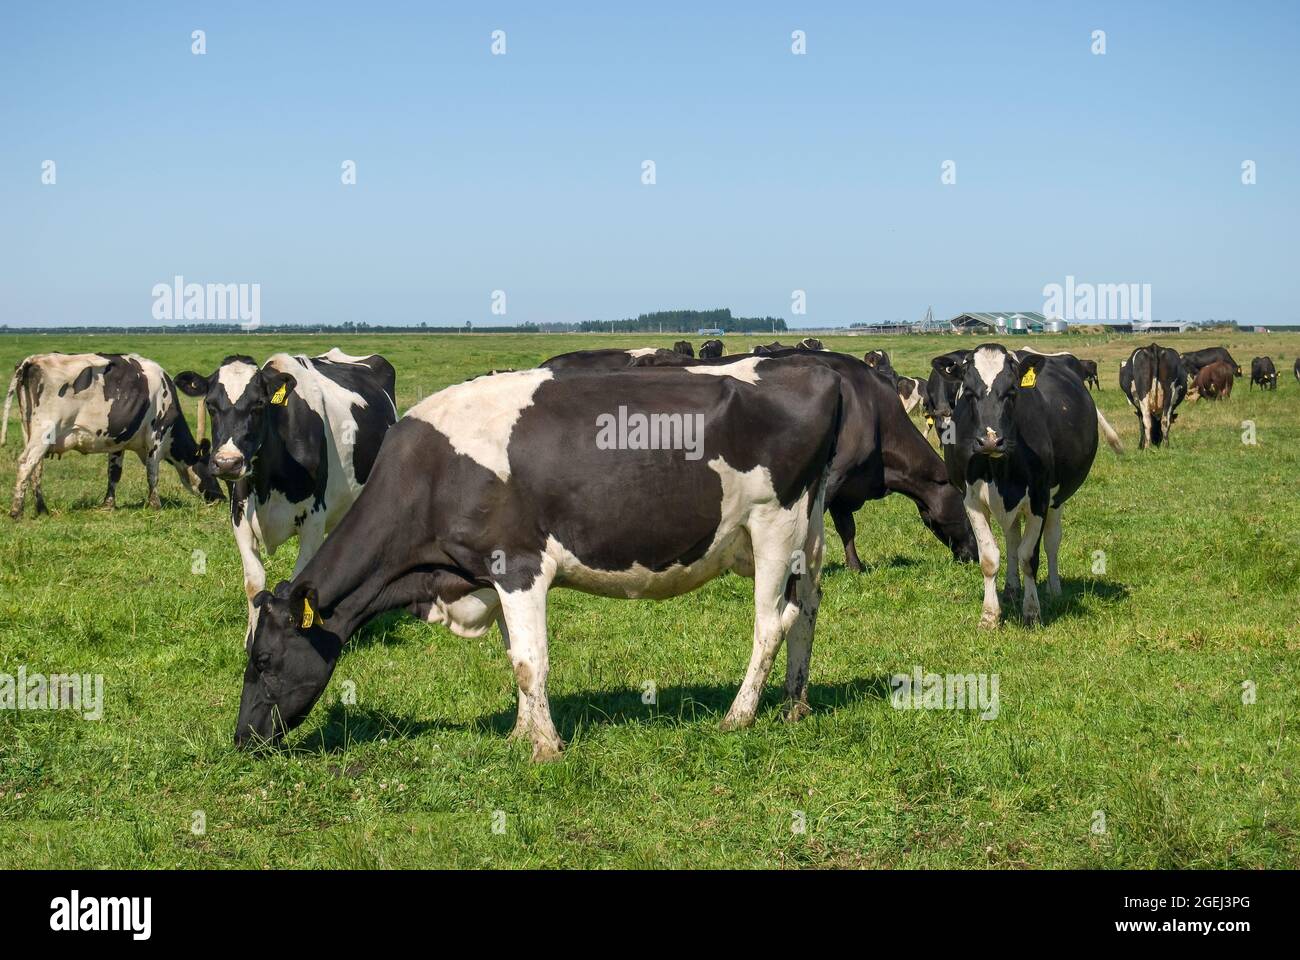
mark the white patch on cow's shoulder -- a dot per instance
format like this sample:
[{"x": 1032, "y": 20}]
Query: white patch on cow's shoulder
[
  {"x": 988, "y": 364},
  {"x": 641, "y": 351},
  {"x": 235, "y": 377},
  {"x": 335, "y": 355},
  {"x": 478, "y": 416},
  {"x": 740, "y": 370}
]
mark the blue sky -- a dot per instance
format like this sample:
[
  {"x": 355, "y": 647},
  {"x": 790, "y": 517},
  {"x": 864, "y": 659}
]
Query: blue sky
[{"x": 522, "y": 172}]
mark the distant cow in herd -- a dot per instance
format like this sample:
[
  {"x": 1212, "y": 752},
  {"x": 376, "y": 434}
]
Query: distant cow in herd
[
  {"x": 1263, "y": 373},
  {"x": 1155, "y": 382},
  {"x": 711, "y": 348},
  {"x": 1195, "y": 360},
  {"x": 295, "y": 438},
  {"x": 102, "y": 403},
  {"x": 684, "y": 348},
  {"x": 1214, "y": 380}
]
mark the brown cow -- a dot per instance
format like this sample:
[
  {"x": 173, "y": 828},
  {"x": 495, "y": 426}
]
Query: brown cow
[{"x": 1214, "y": 381}]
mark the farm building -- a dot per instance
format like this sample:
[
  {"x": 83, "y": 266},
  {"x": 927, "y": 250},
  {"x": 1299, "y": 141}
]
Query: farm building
[{"x": 1002, "y": 322}]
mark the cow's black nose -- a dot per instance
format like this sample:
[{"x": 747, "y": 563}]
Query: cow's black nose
[{"x": 990, "y": 443}]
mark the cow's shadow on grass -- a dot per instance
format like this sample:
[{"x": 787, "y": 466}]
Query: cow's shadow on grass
[
  {"x": 896, "y": 562},
  {"x": 1078, "y": 595},
  {"x": 346, "y": 727}
]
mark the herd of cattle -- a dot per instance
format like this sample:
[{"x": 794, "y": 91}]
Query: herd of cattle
[{"x": 468, "y": 509}]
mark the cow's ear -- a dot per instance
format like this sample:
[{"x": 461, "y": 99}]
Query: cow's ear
[
  {"x": 303, "y": 606},
  {"x": 948, "y": 366},
  {"x": 1028, "y": 367},
  {"x": 192, "y": 384},
  {"x": 261, "y": 597},
  {"x": 278, "y": 387}
]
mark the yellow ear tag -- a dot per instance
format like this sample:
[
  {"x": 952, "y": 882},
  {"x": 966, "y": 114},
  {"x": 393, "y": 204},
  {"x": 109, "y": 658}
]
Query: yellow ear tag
[
  {"x": 930, "y": 421},
  {"x": 308, "y": 614},
  {"x": 279, "y": 398},
  {"x": 1029, "y": 379}
]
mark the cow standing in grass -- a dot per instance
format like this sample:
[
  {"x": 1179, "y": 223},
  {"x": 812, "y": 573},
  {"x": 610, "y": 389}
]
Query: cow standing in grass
[
  {"x": 1023, "y": 438},
  {"x": 1214, "y": 380},
  {"x": 1155, "y": 382},
  {"x": 1263, "y": 373},
  {"x": 102, "y": 403},
  {"x": 295, "y": 438},
  {"x": 684, "y": 348},
  {"x": 711, "y": 348},
  {"x": 488, "y": 494}
]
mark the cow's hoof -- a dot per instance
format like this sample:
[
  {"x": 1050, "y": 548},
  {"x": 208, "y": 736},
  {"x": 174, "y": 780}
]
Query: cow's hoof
[
  {"x": 155, "y": 503},
  {"x": 15, "y": 515},
  {"x": 990, "y": 620},
  {"x": 108, "y": 504},
  {"x": 1053, "y": 588},
  {"x": 1031, "y": 618},
  {"x": 796, "y": 710},
  {"x": 545, "y": 751},
  {"x": 519, "y": 732}
]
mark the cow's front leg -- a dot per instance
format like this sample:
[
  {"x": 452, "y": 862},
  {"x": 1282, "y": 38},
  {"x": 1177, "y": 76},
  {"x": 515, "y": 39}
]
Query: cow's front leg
[
  {"x": 523, "y": 710},
  {"x": 114, "y": 476},
  {"x": 310, "y": 537},
  {"x": 989, "y": 558},
  {"x": 1029, "y": 609},
  {"x": 524, "y": 612},
  {"x": 241, "y": 523},
  {"x": 1011, "y": 585}
]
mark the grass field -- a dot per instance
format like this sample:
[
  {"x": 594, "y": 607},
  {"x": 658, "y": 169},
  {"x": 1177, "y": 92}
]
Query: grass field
[{"x": 1129, "y": 701}]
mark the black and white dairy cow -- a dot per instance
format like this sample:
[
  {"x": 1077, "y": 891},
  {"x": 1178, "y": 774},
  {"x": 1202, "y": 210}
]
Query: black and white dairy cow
[
  {"x": 711, "y": 348},
  {"x": 1263, "y": 373},
  {"x": 102, "y": 403},
  {"x": 684, "y": 348},
  {"x": 878, "y": 451},
  {"x": 1155, "y": 382},
  {"x": 1023, "y": 440},
  {"x": 296, "y": 439},
  {"x": 1195, "y": 360},
  {"x": 491, "y": 492},
  {"x": 910, "y": 390}
]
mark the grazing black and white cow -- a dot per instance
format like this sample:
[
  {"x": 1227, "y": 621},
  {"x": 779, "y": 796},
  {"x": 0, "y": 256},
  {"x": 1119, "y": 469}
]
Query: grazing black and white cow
[
  {"x": 1155, "y": 382},
  {"x": 102, "y": 403},
  {"x": 763, "y": 349},
  {"x": 810, "y": 343},
  {"x": 684, "y": 348},
  {"x": 489, "y": 493},
  {"x": 1023, "y": 440},
  {"x": 879, "y": 450},
  {"x": 296, "y": 439},
  {"x": 1263, "y": 373},
  {"x": 1194, "y": 360},
  {"x": 710, "y": 349}
]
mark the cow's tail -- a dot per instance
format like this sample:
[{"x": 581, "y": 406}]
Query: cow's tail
[
  {"x": 1109, "y": 433},
  {"x": 15, "y": 382}
]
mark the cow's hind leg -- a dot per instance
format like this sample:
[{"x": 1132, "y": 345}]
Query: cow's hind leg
[
  {"x": 38, "y": 492},
  {"x": 1052, "y": 541},
  {"x": 151, "y": 460},
  {"x": 525, "y": 617},
  {"x": 524, "y": 711},
  {"x": 114, "y": 476},
  {"x": 27, "y": 463},
  {"x": 799, "y": 618}
]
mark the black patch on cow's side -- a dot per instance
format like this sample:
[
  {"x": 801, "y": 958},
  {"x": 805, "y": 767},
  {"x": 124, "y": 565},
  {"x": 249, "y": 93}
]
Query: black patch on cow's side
[
  {"x": 83, "y": 380},
  {"x": 126, "y": 388}
]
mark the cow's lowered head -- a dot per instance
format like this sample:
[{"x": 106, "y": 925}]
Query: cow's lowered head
[
  {"x": 239, "y": 397},
  {"x": 291, "y": 657},
  {"x": 988, "y": 381}
]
